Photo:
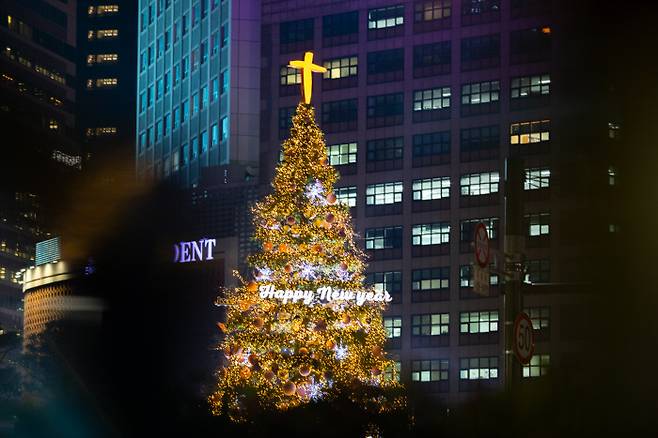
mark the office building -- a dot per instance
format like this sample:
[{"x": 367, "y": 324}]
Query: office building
[{"x": 422, "y": 103}]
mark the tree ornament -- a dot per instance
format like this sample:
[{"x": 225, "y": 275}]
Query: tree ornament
[
  {"x": 252, "y": 286},
  {"x": 245, "y": 373},
  {"x": 320, "y": 325},
  {"x": 331, "y": 198},
  {"x": 283, "y": 374},
  {"x": 258, "y": 322},
  {"x": 291, "y": 220},
  {"x": 289, "y": 388},
  {"x": 302, "y": 350},
  {"x": 343, "y": 266},
  {"x": 330, "y": 218},
  {"x": 304, "y": 370},
  {"x": 283, "y": 247},
  {"x": 267, "y": 246},
  {"x": 253, "y": 359},
  {"x": 330, "y": 344},
  {"x": 324, "y": 161},
  {"x": 222, "y": 327},
  {"x": 346, "y": 318},
  {"x": 342, "y": 234},
  {"x": 376, "y": 371},
  {"x": 269, "y": 375},
  {"x": 288, "y": 269}
]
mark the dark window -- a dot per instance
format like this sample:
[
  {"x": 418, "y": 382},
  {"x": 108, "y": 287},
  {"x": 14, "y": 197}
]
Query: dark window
[
  {"x": 390, "y": 282},
  {"x": 480, "y": 11},
  {"x": 480, "y": 143},
  {"x": 526, "y": 8},
  {"x": 538, "y": 271},
  {"x": 340, "y": 24},
  {"x": 480, "y": 52},
  {"x": 432, "y": 59},
  {"x": 385, "y": 149},
  {"x": 530, "y": 45},
  {"x": 296, "y": 31},
  {"x": 285, "y": 117},
  {"x": 386, "y": 65},
  {"x": 433, "y": 143},
  {"x": 467, "y": 228},
  {"x": 385, "y": 105},
  {"x": 339, "y": 111}
]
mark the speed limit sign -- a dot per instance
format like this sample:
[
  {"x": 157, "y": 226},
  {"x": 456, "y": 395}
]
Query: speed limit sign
[
  {"x": 481, "y": 245},
  {"x": 524, "y": 342}
]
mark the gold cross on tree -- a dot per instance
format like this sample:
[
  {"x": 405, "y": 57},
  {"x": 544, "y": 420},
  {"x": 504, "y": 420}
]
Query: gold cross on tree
[{"x": 307, "y": 67}]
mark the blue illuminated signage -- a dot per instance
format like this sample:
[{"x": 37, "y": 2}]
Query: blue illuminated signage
[{"x": 194, "y": 251}]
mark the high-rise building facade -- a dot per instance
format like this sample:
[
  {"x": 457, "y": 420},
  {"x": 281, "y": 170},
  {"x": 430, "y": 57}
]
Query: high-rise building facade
[
  {"x": 106, "y": 58},
  {"x": 422, "y": 103},
  {"x": 37, "y": 117},
  {"x": 198, "y": 87}
]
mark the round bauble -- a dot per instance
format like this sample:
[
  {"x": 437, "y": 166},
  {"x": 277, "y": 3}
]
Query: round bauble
[
  {"x": 318, "y": 222},
  {"x": 330, "y": 344},
  {"x": 304, "y": 370},
  {"x": 342, "y": 234},
  {"x": 253, "y": 359},
  {"x": 258, "y": 322},
  {"x": 331, "y": 198},
  {"x": 302, "y": 350},
  {"x": 288, "y": 269},
  {"x": 283, "y": 374},
  {"x": 267, "y": 246},
  {"x": 377, "y": 351},
  {"x": 343, "y": 266},
  {"x": 283, "y": 247},
  {"x": 376, "y": 371},
  {"x": 346, "y": 318},
  {"x": 320, "y": 325},
  {"x": 317, "y": 248},
  {"x": 252, "y": 286},
  {"x": 269, "y": 375},
  {"x": 302, "y": 391},
  {"x": 324, "y": 160},
  {"x": 289, "y": 388},
  {"x": 291, "y": 220},
  {"x": 245, "y": 373},
  {"x": 330, "y": 218}
]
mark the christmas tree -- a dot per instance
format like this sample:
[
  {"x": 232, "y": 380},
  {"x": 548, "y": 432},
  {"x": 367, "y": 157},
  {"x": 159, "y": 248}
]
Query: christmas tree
[{"x": 303, "y": 327}]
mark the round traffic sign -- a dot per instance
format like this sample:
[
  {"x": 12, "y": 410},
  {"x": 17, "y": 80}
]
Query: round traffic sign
[
  {"x": 481, "y": 244},
  {"x": 524, "y": 340}
]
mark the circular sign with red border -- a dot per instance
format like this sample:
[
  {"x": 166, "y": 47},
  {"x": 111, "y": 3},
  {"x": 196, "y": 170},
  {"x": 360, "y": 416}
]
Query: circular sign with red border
[
  {"x": 524, "y": 338},
  {"x": 481, "y": 245}
]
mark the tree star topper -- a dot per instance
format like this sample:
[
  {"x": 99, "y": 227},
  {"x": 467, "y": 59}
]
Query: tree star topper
[{"x": 307, "y": 67}]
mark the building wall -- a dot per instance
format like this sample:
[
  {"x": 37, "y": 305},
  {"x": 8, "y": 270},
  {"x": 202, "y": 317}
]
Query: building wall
[
  {"x": 286, "y": 35},
  {"x": 211, "y": 53}
]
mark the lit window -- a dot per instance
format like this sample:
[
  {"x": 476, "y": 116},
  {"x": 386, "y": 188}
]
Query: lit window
[
  {"x": 478, "y": 368},
  {"x": 430, "y": 234},
  {"x": 106, "y": 82},
  {"x": 386, "y": 17},
  {"x": 430, "y": 279},
  {"x": 474, "y": 184},
  {"x": 538, "y": 224},
  {"x": 429, "y": 370},
  {"x": 478, "y": 322},
  {"x": 431, "y": 188},
  {"x": 537, "y": 178},
  {"x": 53, "y": 125},
  {"x": 346, "y": 195},
  {"x": 530, "y": 132},
  {"x": 435, "y": 324},
  {"x": 538, "y": 366},
  {"x": 432, "y": 99},
  {"x": 102, "y": 10},
  {"x": 432, "y": 10},
  {"x": 531, "y": 86},
  {"x": 390, "y": 282},
  {"x": 101, "y": 131},
  {"x": 341, "y": 67},
  {"x": 103, "y": 34},
  {"x": 480, "y": 92},
  {"x": 383, "y": 238},
  {"x": 613, "y": 130},
  {"x": 393, "y": 326},
  {"x": 385, "y": 193},
  {"x": 103, "y": 58},
  {"x": 290, "y": 76},
  {"x": 343, "y": 153}
]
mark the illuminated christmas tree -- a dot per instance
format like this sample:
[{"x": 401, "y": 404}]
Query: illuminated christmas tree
[{"x": 303, "y": 327}]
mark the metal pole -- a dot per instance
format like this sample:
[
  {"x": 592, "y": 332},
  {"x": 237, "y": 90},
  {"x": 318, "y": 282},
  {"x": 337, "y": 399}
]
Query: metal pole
[{"x": 513, "y": 252}]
